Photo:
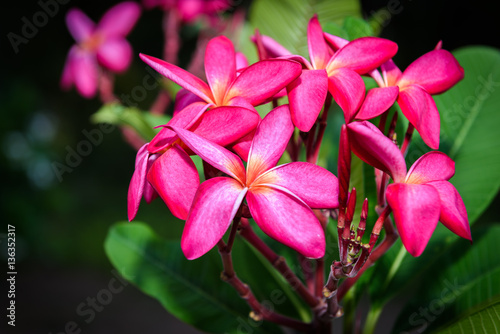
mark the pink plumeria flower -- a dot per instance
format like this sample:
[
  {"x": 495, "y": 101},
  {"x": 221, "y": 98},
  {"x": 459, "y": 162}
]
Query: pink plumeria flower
[
  {"x": 279, "y": 198},
  {"x": 337, "y": 73},
  {"x": 103, "y": 45},
  {"x": 169, "y": 171},
  {"x": 419, "y": 198},
  {"x": 433, "y": 73},
  {"x": 190, "y": 10},
  {"x": 253, "y": 86}
]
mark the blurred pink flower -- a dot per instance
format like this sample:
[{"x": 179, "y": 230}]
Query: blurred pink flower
[
  {"x": 189, "y": 10},
  {"x": 101, "y": 44}
]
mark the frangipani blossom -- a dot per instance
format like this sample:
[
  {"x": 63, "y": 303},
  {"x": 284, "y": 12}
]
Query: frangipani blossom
[
  {"x": 419, "y": 198},
  {"x": 103, "y": 44},
  {"x": 279, "y": 198},
  {"x": 170, "y": 172},
  {"x": 338, "y": 73},
  {"x": 433, "y": 73},
  {"x": 253, "y": 86}
]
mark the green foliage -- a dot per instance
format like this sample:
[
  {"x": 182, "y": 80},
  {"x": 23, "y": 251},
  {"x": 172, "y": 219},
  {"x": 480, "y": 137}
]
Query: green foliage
[
  {"x": 192, "y": 290},
  {"x": 483, "y": 321},
  {"x": 452, "y": 282},
  {"x": 142, "y": 122}
]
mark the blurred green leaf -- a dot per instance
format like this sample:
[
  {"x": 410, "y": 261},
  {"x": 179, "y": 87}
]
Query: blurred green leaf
[
  {"x": 483, "y": 321},
  {"x": 142, "y": 122},
  {"x": 356, "y": 27},
  {"x": 192, "y": 290},
  {"x": 286, "y": 20},
  {"x": 458, "y": 278}
]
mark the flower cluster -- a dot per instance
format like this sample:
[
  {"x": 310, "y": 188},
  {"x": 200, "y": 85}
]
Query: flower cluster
[{"x": 217, "y": 121}]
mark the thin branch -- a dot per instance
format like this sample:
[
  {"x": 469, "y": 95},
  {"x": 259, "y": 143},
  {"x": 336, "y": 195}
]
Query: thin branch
[{"x": 279, "y": 263}]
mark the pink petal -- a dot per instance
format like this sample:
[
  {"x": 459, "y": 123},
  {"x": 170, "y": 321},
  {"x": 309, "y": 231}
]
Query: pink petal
[
  {"x": 214, "y": 154},
  {"x": 269, "y": 142},
  {"x": 348, "y": 90},
  {"x": 263, "y": 80},
  {"x": 242, "y": 145},
  {"x": 391, "y": 72},
  {"x": 453, "y": 213},
  {"x": 214, "y": 207},
  {"x": 299, "y": 59},
  {"x": 115, "y": 54},
  {"x": 318, "y": 49},
  {"x": 67, "y": 75},
  {"x": 416, "y": 209},
  {"x": 184, "y": 119},
  {"x": 435, "y": 71},
  {"x": 149, "y": 192},
  {"x": 273, "y": 48},
  {"x": 85, "y": 73},
  {"x": 79, "y": 25},
  {"x": 183, "y": 98},
  {"x": 175, "y": 177},
  {"x": 432, "y": 166},
  {"x": 181, "y": 77},
  {"x": 377, "y": 101},
  {"x": 363, "y": 54},
  {"x": 335, "y": 42},
  {"x": 287, "y": 220},
  {"x": 225, "y": 125},
  {"x": 136, "y": 187},
  {"x": 220, "y": 66},
  {"x": 371, "y": 146},
  {"x": 119, "y": 20},
  {"x": 316, "y": 186},
  {"x": 307, "y": 95},
  {"x": 420, "y": 109},
  {"x": 241, "y": 61}
]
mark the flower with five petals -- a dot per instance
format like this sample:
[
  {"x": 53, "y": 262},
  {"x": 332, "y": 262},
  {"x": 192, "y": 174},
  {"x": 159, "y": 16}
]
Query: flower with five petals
[
  {"x": 103, "y": 44},
  {"x": 419, "y": 198},
  {"x": 279, "y": 198}
]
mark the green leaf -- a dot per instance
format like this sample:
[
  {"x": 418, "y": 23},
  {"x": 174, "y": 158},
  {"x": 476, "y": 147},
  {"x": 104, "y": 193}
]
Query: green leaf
[
  {"x": 356, "y": 27},
  {"x": 142, "y": 122},
  {"x": 456, "y": 279},
  {"x": 286, "y": 20},
  {"x": 469, "y": 128},
  {"x": 192, "y": 290},
  {"x": 483, "y": 321}
]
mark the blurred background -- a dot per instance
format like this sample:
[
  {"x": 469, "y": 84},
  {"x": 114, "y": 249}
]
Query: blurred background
[{"x": 61, "y": 222}]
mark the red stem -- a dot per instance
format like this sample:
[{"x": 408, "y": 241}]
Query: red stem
[
  {"x": 259, "y": 311},
  {"x": 278, "y": 262},
  {"x": 407, "y": 140}
]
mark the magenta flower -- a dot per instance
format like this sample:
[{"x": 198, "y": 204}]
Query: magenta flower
[
  {"x": 433, "y": 73},
  {"x": 279, "y": 198},
  {"x": 419, "y": 198},
  {"x": 253, "y": 86},
  {"x": 337, "y": 73},
  {"x": 170, "y": 172},
  {"x": 103, "y": 44}
]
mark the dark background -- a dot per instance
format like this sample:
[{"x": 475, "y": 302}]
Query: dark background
[{"x": 61, "y": 225}]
